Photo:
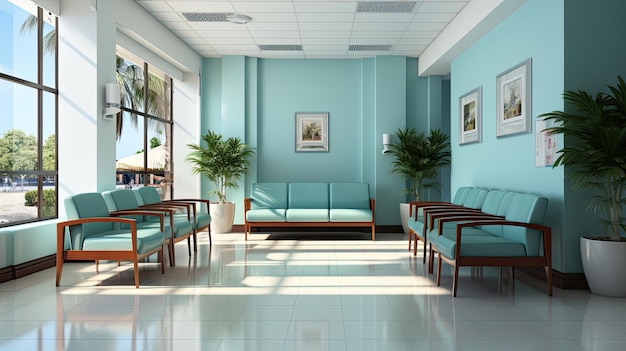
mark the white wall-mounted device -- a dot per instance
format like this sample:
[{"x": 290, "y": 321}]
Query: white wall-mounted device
[{"x": 112, "y": 100}]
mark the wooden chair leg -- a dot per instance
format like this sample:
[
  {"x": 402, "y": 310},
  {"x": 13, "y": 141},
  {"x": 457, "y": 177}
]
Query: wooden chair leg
[
  {"x": 410, "y": 238},
  {"x": 162, "y": 259},
  {"x": 415, "y": 239},
  {"x": 195, "y": 240},
  {"x": 59, "y": 267},
  {"x": 438, "y": 270},
  {"x": 189, "y": 244},
  {"x": 431, "y": 259},
  {"x": 211, "y": 240},
  {"x": 136, "y": 271},
  {"x": 455, "y": 279}
]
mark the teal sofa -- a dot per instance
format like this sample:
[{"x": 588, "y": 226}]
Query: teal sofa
[
  {"x": 507, "y": 231},
  {"x": 304, "y": 204}
]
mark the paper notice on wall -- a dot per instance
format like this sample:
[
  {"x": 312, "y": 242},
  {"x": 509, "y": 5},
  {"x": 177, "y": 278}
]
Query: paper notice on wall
[{"x": 545, "y": 145}]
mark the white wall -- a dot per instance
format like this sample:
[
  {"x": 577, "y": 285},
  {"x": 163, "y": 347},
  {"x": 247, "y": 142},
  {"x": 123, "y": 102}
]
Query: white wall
[{"x": 87, "y": 45}]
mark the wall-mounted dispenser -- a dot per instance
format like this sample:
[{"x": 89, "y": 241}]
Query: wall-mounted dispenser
[
  {"x": 386, "y": 143},
  {"x": 111, "y": 101}
]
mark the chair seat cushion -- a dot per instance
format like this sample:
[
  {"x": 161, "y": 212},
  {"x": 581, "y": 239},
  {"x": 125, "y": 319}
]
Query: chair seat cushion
[
  {"x": 148, "y": 239},
  {"x": 203, "y": 220},
  {"x": 350, "y": 215},
  {"x": 307, "y": 215},
  {"x": 266, "y": 215},
  {"x": 481, "y": 245}
]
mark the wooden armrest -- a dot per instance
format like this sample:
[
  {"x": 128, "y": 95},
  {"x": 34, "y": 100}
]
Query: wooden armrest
[
  {"x": 465, "y": 218},
  {"x": 137, "y": 212},
  {"x": 62, "y": 225},
  {"x": 546, "y": 231}
]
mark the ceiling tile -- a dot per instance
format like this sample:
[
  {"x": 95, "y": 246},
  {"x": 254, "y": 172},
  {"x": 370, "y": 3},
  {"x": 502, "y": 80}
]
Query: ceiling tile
[{"x": 326, "y": 26}]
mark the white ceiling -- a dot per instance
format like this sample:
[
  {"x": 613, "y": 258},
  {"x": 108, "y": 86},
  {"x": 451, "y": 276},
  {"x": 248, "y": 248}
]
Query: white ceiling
[{"x": 324, "y": 29}]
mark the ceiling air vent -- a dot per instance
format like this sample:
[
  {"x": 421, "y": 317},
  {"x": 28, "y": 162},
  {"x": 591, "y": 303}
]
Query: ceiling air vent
[
  {"x": 206, "y": 16},
  {"x": 386, "y": 6},
  {"x": 280, "y": 47},
  {"x": 369, "y": 48}
]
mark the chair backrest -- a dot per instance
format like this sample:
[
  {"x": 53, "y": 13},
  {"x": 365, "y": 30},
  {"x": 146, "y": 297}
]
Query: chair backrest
[
  {"x": 475, "y": 198},
  {"x": 308, "y": 195},
  {"x": 149, "y": 195},
  {"x": 269, "y": 195},
  {"x": 349, "y": 195},
  {"x": 121, "y": 200},
  {"x": 525, "y": 208},
  {"x": 461, "y": 194},
  {"x": 86, "y": 205}
]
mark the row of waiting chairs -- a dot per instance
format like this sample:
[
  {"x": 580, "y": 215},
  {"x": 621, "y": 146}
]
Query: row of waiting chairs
[{"x": 126, "y": 224}]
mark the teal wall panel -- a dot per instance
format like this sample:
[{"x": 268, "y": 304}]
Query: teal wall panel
[
  {"x": 509, "y": 162},
  {"x": 363, "y": 97}
]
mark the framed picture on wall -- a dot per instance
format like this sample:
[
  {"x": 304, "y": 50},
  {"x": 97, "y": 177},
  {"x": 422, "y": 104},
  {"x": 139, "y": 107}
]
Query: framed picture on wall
[
  {"x": 471, "y": 117},
  {"x": 513, "y": 100},
  {"x": 312, "y": 132}
]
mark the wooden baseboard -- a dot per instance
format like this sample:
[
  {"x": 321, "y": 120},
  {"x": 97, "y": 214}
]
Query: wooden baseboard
[
  {"x": 6, "y": 274},
  {"x": 559, "y": 279}
]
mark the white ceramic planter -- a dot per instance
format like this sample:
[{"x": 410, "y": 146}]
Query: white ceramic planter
[
  {"x": 404, "y": 216},
  {"x": 604, "y": 263},
  {"x": 222, "y": 217}
]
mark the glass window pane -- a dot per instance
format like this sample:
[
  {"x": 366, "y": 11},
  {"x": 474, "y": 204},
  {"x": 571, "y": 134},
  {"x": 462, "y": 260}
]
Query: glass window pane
[
  {"x": 18, "y": 128},
  {"x": 49, "y": 132},
  {"x": 129, "y": 148},
  {"x": 18, "y": 197},
  {"x": 49, "y": 207},
  {"x": 49, "y": 50},
  {"x": 130, "y": 77},
  {"x": 159, "y": 101},
  {"x": 18, "y": 41}
]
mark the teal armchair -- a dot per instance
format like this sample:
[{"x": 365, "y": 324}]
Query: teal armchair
[
  {"x": 93, "y": 234},
  {"x": 201, "y": 220},
  {"x": 178, "y": 228}
]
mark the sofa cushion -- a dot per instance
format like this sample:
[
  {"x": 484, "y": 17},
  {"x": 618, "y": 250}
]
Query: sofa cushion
[
  {"x": 350, "y": 215},
  {"x": 266, "y": 215},
  {"x": 269, "y": 195},
  {"x": 307, "y": 215},
  {"x": 349, "y": 196},
  {"x": 308, "y": 196}
]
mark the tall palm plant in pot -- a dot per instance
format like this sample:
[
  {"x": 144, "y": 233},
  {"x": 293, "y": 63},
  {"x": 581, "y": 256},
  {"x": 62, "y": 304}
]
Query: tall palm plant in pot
[
  {"x": 223, "y": 162},
  {"x": 418, "y": 158},
  {"x": 594, "y": 129}
]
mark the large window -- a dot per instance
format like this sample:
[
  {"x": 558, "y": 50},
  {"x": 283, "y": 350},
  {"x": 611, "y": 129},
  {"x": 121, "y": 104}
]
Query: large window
[
  {"x": 144, "y": 127},
  {"x": 28, "y": 117}
]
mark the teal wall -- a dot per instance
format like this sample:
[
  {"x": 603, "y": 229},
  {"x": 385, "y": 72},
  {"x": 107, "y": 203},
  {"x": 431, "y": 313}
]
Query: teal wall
[
  {"x": 570, "y": 50},
  {"x": 257, "y": 99},
  {"x": 509, "y": 162}
]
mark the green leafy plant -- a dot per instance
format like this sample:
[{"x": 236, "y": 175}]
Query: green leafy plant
[
  {"x": 594, "y": 130},
  {"x": 222, "y": 161},
  {"x": 419, "y": 158},
  {"x": 49, "y": 201}
]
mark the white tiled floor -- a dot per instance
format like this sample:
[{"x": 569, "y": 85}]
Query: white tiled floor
[{"x": 275, "y": 293}]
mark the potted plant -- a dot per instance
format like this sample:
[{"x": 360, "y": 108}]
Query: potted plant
[
  {"x": 223, "y": 162},
  {"x": 419, "y": 158},
  {"x": 594, "y": 129}
]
